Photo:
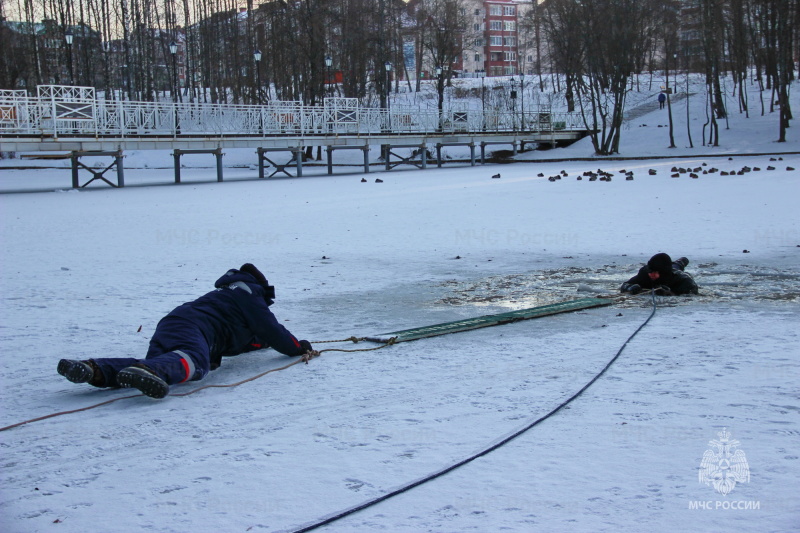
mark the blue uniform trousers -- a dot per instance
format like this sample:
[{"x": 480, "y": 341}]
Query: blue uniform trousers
[{"x": 178, "y": 352}]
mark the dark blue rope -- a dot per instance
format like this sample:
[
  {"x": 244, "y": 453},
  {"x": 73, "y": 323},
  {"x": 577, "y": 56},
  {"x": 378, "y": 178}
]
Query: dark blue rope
[{"x": 430, "y": 477}]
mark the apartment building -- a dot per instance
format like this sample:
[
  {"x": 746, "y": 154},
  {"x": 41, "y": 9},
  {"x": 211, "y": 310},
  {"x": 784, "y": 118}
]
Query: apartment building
[{"x": 493, "y": 46}]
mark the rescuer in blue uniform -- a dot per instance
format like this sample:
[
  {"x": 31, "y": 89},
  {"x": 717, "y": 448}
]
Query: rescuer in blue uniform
[{"x": 193, "y": 338}]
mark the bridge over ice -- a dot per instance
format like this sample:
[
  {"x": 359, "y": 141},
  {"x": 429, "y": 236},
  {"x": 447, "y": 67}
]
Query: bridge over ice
[{"x": 76, "y": 122}]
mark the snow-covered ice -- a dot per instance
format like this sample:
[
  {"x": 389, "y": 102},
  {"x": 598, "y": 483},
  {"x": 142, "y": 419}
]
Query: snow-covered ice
[{"x": 82, "y": 271}]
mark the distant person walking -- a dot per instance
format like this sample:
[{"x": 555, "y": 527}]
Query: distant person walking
[{"x": 661, "y": 99}]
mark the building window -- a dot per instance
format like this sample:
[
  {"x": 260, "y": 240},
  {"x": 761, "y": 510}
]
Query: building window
[
  {"x": 496, "y": 56},
  {"x": 495, "y": 40},
  {"x": 509, "y": 41},
  {"x": 510, "y": 26},
  {"x": 510, "y": 56},
  {"x": 509, "y": 11},
  {"x": 478, "y": 42},
  {"x": 496, "y": 25},
  {"x": 477, "y": 58},
  {"x": 496, "y": 10}
]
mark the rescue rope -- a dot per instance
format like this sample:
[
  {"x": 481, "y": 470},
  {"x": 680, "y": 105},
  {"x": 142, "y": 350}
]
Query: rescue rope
[
  {"x": 408, "y": 486},
  {"x": 353, "y": 339},
  {"x": 388, "y": 342},
  {"x": 52, "y": 415},
  {"x": 303, "y": 359}
]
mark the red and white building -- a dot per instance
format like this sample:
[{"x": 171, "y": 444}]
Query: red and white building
[{"x": 494, "y": 36}]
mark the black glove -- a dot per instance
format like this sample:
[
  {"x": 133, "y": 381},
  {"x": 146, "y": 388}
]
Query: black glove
[
  {"x": 663, "y": 290},
  {"x": 633, "y": 288},
  {"x": 306, "y": 346}
]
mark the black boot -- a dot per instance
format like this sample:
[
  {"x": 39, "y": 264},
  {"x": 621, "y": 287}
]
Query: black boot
[
  {"x": 77, "y": 371},
  {"x": 144, "y": 379},
  {"x": 682, "y": 263}
]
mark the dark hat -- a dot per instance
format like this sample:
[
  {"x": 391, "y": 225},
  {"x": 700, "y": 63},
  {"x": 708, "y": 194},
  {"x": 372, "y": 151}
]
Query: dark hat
[
  {"x": 660, "y": 263},
  {"x": 249, "y": 268}
]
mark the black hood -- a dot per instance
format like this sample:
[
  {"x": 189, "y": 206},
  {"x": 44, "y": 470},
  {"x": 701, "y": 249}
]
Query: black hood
[
  {"x": 249, "y": 268},
  {"x": 250, "y": 275},
  {"x": 661, "y": 263}
]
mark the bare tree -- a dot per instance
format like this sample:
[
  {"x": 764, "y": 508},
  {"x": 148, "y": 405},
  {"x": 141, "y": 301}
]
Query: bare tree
[
  {"x": 712, "y": 23},
  {"x": 666, "y": 22},
  {"x": 786, "y": 21},
  {"x": 442, "y": 27},
  {"x": 612, "y": 41},
  {"x": 563, "y": 26},
  {"x": 531, "y": 28},
  {"x": 739, "y": 45}
]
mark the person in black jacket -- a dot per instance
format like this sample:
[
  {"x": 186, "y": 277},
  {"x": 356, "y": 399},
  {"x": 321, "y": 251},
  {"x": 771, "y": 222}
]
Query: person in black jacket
[
  {"x": 664, "y": 275},
  {"x": 194, "y": 337}
]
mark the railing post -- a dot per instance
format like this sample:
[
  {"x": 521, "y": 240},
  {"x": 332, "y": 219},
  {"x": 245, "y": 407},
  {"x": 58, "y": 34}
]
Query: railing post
[
  {"x": 74, "y": 160},
  {"x": 298, "y": 155},
  {"x": 177, "y": 120},
  {"x": 218, "y": 155},
  {"x": 177, "y": 158},
  {"x": 52, "y": 104},
  {"x": 120, "y": 169}
]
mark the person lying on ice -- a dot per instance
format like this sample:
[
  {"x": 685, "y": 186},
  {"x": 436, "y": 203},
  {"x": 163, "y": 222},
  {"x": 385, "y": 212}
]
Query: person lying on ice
[
  {"x": 192, "y": 339},
  {"x": 664, "y": 275}
]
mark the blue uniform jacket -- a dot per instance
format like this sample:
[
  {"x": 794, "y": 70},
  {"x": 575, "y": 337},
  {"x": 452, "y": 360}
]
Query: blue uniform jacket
[{"x": 235, "y": 318}]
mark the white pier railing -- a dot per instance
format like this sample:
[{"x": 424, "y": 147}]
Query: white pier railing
[{"x": 64, "y": 111}]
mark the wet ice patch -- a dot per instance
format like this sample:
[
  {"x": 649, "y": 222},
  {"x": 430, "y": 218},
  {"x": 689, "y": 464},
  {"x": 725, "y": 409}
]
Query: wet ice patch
[{"x": 519, "y": 291}]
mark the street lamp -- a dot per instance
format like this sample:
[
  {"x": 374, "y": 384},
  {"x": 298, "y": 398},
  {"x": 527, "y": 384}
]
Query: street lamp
[
  {"x": 440, "y": 91},
  {"x": 173, "y": 49},
  {"x": 675, "y": 57},
  {"x": 257, "y": 59},
  {"x": 388, "y": 67},
  {"x": 482, "y": 75},
  {"x": 68, "y": 37},
  {"x": 522, "y": 100},
  {"x": 514, "y": 103},
  {"x": 328, "y": 65}
]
